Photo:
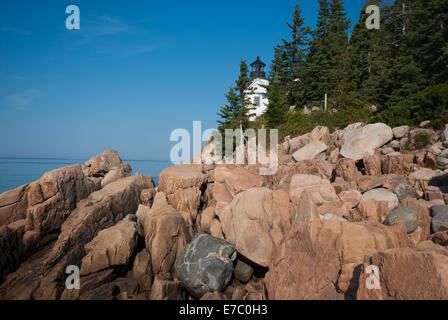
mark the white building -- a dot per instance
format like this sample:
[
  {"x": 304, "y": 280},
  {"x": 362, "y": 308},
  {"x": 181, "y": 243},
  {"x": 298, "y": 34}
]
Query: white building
[{"x": 257, "y": 89}]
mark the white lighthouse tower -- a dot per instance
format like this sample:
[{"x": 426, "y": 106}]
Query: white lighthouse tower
[{"x": 256, "y": 93}]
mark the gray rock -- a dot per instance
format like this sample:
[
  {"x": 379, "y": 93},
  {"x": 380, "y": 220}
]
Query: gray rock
[
  {"x": 309, "y": 151},
  {"x": 403, "y": 191},
  {"x": 425, "y": 124},
  {"x": 444, "y": 136},
  {"x": 395, "y": 144},
  {"x": 442, "y": 159},
  {"x": 243, "y": 271},
  {"x": 205, "y": 265},
  {"x": 365, "y": 140},
  {"x": 439, "y": 216},
  {"x": 330, "y": 216},
  {"x": 131, "y": 217},
  {"x": 381, "y": 194},
  {"x": 400, "y": 132},
  {"x": 408, "y": 214}
]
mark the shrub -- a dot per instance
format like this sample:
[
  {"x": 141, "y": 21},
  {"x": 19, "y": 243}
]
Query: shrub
[
  {"x": 422, "y": 139},
  {"x": 299, "y": 123}
]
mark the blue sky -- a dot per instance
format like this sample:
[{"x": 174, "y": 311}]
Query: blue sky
[{"x": 135, "y": 71}]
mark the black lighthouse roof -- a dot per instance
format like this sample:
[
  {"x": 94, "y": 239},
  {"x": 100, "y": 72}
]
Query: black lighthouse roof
[
  {"x": 257, "y": 69},
  {"x": 258, "y": 62}
]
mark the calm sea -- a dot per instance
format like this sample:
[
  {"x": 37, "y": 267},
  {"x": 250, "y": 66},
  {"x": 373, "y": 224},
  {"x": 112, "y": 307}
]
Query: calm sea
[{"x": 15, "y": 172}]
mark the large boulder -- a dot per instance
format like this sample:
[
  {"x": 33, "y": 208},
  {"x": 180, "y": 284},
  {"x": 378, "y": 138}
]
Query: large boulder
[
  {"x": 107, "y": 166},
  {"x": 321, "y": 189},
  {"x": 372, "y": 164},
  {"x": 205, "y": 265},
  {"x": 408, "y": 274},
  {"x": 421, "y": 178},
  {"x": 350, "y": 198},
  {"x": 255, "y": 221},
  {"x": 444, "y": 136},
  {"x": 163, "y": 289},
  {"x": 400, "y": 132},
  {"x": 181, "y": 176},
  {"x": 404, "y": 190},
  {"x": 366, "y": 183},
  {"x": 183, "y": 185},
  {"x": 372, "y": 210},
  {"x": 166, "y": 235},
  {"x": 309, "y": 151},
  {"x": 439, "y": 220},
  {"x": 46, "y": 203},
  {"x": 365, "y": 140},
  {"x": 381, "y": 194},
  {"x": 407, "y": 214},
  {"x": 442, "y": 160},
  {"x": 231, "y": 180},
  {"x": 347, "y": 170},
  {"x": 237, "y": 178},
  {"x": 142, "y": 270},
  {"x": 100, "y": 210},
  {"x": 311, "y": 257},
  {"x": 320, "y": 134},
  {"x": 111, "y": 248},
  {"x": 13, "y": 205},
  {"x": 11, "y": 247}
]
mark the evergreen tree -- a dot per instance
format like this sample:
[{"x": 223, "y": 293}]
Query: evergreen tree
[
  {"x": 279, "y": 65},
  {"x": 288, "y": 65},
  {"x": 298, "y": 48},
  {"x": 338, "y": 25},
  {"x": 316, "y": 75},
  {"x": 237, "y": 111},
  {"x": 242, "y": 114},
  {"x": 401, "y": 68},
  {"x": 370, "y": 57},
  {"x": 277, "y": 111},
  {"x": 228, "y": 112}
]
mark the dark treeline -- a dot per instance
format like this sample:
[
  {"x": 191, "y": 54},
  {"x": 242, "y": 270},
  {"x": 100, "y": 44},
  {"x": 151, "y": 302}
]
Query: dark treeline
[{"x": 397, "y": 74}]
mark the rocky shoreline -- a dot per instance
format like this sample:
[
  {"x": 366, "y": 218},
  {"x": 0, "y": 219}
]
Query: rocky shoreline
[{"x": 367, "y": 195}]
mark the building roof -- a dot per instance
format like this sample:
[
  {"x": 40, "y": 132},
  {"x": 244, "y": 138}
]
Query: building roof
[{"x": 258, "y": 62}]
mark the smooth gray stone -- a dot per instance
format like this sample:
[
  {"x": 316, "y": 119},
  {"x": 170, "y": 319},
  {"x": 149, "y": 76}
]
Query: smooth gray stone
[
  {"x": 243, "y": 271},
  {"x": 442, "y": 159},
  {"x": 408, "y": 214},
  {"x": 439, "y": 220},
  {"x": 205, "y": 265},
  {"x": 403, "y": 191}
]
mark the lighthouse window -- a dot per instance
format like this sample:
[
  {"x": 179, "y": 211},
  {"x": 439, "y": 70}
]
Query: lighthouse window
[{"x": 257, "y": 101}]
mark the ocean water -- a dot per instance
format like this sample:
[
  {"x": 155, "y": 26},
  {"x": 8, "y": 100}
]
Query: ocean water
[{"x": 15, "y": 172}]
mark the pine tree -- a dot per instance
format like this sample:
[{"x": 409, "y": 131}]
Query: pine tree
[
  {"x": 279, "y": 66},
  {"x": 298, "y": 48},
  {"x": 277, "y": 110},
  {"x": 242, "y": 114},
  {"x": 316, "y": 75},
  {"x": 237, "y": 111},
  {"x": 289, "y": 63},
  {"x": 370, "y": 58},
  {"x": 338, "y": 25},
  {"x": 228, "y": 112}
]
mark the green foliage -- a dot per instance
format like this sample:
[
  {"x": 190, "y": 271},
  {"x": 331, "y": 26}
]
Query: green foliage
[
  {"x": 434, "y": 105},
  {"x": 278, "y": 107},
  {"x": 299, "y": 123},
  {"x": 400, "y": 68},
  {"x": 431, "y": 103},
  {"x": 422, "y": 139},
  {"x": 236, "y": 112}
]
